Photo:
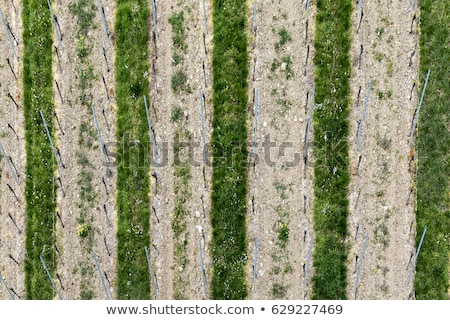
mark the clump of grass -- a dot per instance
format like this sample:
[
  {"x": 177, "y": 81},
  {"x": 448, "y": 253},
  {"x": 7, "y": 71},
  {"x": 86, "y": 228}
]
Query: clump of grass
[
  {"x": 179, "y": 46},
  {"x": 84, "y": 12},
  {"x": 280, "y": 254},
  {"x": 432, "y": 144},
  {"x": 285, "y": 37},
  {"x": 285, "y": 65},
  {"x": 278, "y": 291},
  {"x": 176, "y": 114},
  {"x": 176, "y": 20},
  {"x": 179, "y": 82},
  {"x": 283, "y": 234},
  {"x": 384, "y": 142},
  {"x": 332, "y": 63}
]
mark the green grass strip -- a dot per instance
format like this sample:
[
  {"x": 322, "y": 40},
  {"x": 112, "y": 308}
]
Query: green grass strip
[
  {"x": 228, "y": 209},
  {"x": 132, "y": 152},
  {"x": 331, "y": 127},
  {"x": 433, "y": 149},
  {"x": 40, "y": 168}
]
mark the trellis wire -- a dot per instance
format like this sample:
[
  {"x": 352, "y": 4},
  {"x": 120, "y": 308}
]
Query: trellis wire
[
  {"x": 418, "y": 109},
  {"x": 202, "y": 268},
  {"x": 8, "y": 34},
  {"x": 6, "y": 287},
  {"x": 308, "y": 260},
  {"x": 360, "y": 264},
  {"x": 155, "y": 287},
  {"x": 150, "y": 128},
  {"x": 308, "y": 125},
  {"x": 102, "y": 146},
  {"x": 361, "y": 122},
  {"x": 9, "y": 164},
  {"x": 255, "y": 265},
  {"x": 58, "y": 34},
  {"x": 202, "y": 115},
  {"x": 101, "y": 276},
  {"x": 255, "y": 127},
  {"x": 205, "y": 29},
  {"x": 413, "y": 266},
  {"x": 50, "y": 277},
  {"x": 105, "y": 26},
  {"x": 51, "y": 144},
  {"x": 155, "y": 27}
]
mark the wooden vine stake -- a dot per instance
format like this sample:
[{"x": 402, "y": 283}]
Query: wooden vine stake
[
  {"x": 55, "y": 26},
  {"x": 152, "y": 275},
  {"x": 50, "y": 277},
  {"x": 150, "y": 128},
  {"x": 155, "y": 27},
  {"x": 102, "y": 146},
  {"x": 58, "y": 161},
  {"x": 101, "y": 276},
  {"x": 413, "y": 266},
  {"x": 202, "y": 269},
  {"x": 308, "y": 128},
  {"x": 202, "y": 116},
  {"x": 307, "y": 21},
  {"x": 9, "y": 164},
  {"x": 360, "y": 264},
  {"x": 416, "y": 117},
  {"x": 359, "y": 13},
  {"x": 255, "y": 123},
  {"x": 361, "y": 121},
  {"x": 255, "y": 266},
  {"x": 8, "y": 34},
  {"x": 105, "y": 26},
  {"x": 6, "y": 287},
  {"x": 308, "y": 261}
]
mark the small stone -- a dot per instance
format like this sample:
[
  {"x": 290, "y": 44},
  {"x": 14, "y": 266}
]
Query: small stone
[
  {"x": 197, "y": 214},
  {"x": 199, "y": 229},
  {"x": 264, "y": 124},
  {"x": 283, "y": 66}
]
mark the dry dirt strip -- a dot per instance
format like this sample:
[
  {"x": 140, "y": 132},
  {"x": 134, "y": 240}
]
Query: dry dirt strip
[
  {"x": 384, "y": 54},
  {"x": 280, "y": 192},
  {"x": 84, "y": 78},
  {"x": 12, "y": 163},
  {"x": 179, "y": 176}
]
